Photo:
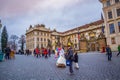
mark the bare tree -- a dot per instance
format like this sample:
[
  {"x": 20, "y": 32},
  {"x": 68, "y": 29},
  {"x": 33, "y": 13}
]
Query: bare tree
[
  {"x": 14, "y": 38},
  {"x": 12, "y": 45},
  {"x": 22, "y": 42}
]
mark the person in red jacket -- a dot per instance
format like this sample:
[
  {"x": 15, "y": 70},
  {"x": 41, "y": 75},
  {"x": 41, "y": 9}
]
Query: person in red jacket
[
  {"x": 45, "y": 53},
  {"x": 37, "y": 52}
]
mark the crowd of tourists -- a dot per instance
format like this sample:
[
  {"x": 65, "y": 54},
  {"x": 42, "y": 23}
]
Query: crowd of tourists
[
  {"x": 63, "y": 57},
  {"x": 43, "y": 52}
]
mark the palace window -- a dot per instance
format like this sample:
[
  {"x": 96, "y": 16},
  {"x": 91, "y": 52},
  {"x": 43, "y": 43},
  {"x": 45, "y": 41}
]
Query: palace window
[
  {"x": 33, "y": 39},
  {"x": 38, "y": 45},
  {"x": 44, "y": 34},
  {"x": 119, "y": 26},
  {"x": 109, "y": 14},
  {"x": 44, "y": 45},
  {"x": 118, "y": 12},
  {"x": 112, "y": 29},
  {"x": 108, "y": 3},
  {"x": 75, "y": 41},
  {"x": 41, "y": 39},
  {"x": 41, "y": 45},
  {"x": 44, "y": 39},
  {"x": 113, "y": 40},
  {"x": 37, "y": 39},
  {"x": 116, "y": 1},
  {"x": 75, "y": 45},
  {"x": 37, "y": 33}
]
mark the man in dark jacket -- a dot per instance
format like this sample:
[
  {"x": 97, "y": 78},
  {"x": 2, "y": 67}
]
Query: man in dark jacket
[
  {"x": 7, "y": 51},
  {"x": 70, "y": 58},
  {"x": 109, "y": 52}
]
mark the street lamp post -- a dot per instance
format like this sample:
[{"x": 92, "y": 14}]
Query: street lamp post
[{"x": 0, "y": 33}]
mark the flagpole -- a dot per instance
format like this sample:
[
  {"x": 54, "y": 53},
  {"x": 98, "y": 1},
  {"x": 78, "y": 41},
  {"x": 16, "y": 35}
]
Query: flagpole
[
  {"x": 78, "y": 39},
  {"x": 102, "y": 23}
]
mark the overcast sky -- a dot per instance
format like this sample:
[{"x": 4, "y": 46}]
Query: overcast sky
[{"x": 63, "y": 15}]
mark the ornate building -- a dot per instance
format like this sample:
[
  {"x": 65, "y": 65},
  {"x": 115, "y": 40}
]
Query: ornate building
[
  {"x": 37, "y": 36},
  {"x": 111, "y": 10},
  {"x": 85, "y": 38},
  {"x": 88, "y": 37}
]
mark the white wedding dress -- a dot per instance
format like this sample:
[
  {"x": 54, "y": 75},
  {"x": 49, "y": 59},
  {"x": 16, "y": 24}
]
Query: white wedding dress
[{"x": 61, "y": 62}]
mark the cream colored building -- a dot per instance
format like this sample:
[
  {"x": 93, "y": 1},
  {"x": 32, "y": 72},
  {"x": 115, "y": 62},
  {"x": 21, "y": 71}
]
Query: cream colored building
[
  {"x": 111, "y": 10},
  {"x": 84, "y": 38},
  {"x": 37, "y": 36}
]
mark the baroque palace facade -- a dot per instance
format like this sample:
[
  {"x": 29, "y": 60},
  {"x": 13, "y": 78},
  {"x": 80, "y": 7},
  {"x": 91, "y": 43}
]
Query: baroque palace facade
[
  {"x": 85, "y": 38},
  {"x": 89, "y": 37},
  {"x": 111, "y": 10}
]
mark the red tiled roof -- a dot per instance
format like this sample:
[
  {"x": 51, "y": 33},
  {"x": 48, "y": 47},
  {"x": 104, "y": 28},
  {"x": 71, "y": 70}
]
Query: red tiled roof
[{"x": 86, "y": 25}]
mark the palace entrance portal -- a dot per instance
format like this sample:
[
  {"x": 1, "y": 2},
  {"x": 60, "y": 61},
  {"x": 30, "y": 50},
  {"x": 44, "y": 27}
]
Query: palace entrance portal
[
  {"x": 93, "y": 43},
  {"x": 92, "y": 47}
]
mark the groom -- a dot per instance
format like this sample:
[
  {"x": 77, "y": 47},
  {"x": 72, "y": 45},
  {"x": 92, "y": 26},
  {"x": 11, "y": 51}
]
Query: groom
[{"x": 70, "y": 58}]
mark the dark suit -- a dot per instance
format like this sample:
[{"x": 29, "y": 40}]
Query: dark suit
[
  {"x": 70, "y": 58},
  {"x": 109, "y": 53},
  {"x": 7, "y": 51}
]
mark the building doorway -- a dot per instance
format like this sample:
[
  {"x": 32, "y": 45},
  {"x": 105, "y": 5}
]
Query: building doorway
[{"x": 92, "y": 47}]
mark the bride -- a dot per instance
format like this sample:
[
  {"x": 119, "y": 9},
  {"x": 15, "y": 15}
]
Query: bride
[{"x": 61, "y": 62}]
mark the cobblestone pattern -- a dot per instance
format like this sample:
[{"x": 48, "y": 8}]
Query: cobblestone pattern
[{"x": 93, "y": 66}]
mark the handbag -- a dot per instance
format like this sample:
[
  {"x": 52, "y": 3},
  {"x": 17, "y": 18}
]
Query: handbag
[{"x": 68, "y": 62}]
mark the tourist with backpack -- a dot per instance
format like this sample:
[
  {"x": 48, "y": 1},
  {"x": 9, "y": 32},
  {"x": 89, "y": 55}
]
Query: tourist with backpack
[{"x": 69, "y": 59}]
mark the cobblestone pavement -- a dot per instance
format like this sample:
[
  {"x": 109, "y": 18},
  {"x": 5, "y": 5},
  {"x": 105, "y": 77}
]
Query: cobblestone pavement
[{"x": 93, "y": 66}]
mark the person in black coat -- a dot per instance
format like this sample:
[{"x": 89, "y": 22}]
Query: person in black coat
[
  {"x": 109, "y": 52},
  {"x": 69, "y": 57},
  {"x": 76, "y": 60},
  {"x": 7, "y": 51}
]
